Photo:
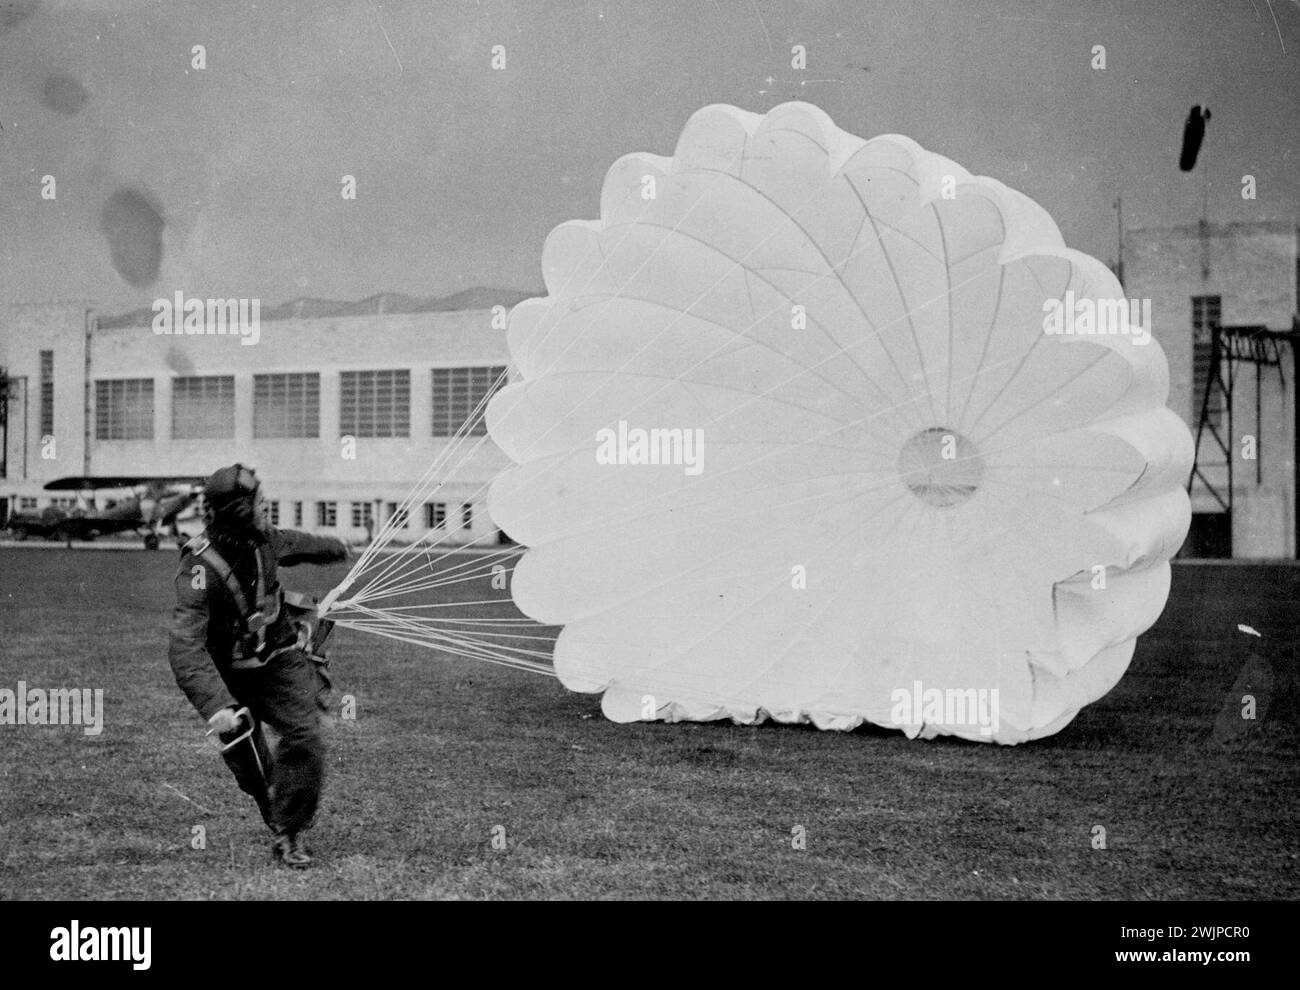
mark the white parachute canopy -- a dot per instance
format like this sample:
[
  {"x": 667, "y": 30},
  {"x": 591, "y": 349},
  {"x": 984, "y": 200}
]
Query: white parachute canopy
[{"x": 830, "y": 430}]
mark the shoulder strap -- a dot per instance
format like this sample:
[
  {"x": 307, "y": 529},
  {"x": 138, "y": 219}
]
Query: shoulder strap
[
  {"x": 253, "y": 624},
  {"x": 202, "y": 548}
]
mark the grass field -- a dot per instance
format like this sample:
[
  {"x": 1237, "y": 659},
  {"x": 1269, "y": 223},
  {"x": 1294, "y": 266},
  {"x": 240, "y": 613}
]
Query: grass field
[{"x": 443, "y": 751}]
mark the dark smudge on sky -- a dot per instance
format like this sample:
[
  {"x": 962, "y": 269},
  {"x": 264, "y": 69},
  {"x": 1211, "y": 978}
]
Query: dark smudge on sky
[
  {"x": 1193, "y": 135},
  {"x": 133, "y": 226},
  {"x": 63, "y": 94},
  {"x": 14, "y": 12},
  {"x": 180, "y": 361}
]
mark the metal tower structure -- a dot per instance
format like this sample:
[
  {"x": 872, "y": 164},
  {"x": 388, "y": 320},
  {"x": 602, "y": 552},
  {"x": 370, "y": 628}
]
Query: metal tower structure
[{"x": 1231, "y": 349}]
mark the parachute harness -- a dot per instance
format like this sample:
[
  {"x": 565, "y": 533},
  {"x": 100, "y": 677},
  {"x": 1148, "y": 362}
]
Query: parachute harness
[{"x": 311, "y": 628}]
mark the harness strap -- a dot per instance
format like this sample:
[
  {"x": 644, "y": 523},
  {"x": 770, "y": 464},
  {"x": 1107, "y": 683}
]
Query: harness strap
[{"x": 254, "y": 623}]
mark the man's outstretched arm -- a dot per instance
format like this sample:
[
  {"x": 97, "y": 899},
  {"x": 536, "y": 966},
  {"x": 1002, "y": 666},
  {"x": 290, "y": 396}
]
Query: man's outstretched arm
[{"x": 294, "y": 547}]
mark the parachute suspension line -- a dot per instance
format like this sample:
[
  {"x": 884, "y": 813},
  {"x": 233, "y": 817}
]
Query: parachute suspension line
[
  {"x": 435, "y": 621},
  {"x": 416, "y": 574},
  {"x": 416, "y": 580},
  {"x": 452, "y": 647},
  {"x": 400, "y": 560},
  {"x": 400, "y": 566},
  {"x": 410, "y": 631},
  {"x": 403, "y": 557},
  {"x": 421, "y": 490},
  {"x": 419, "y": 629},
  {"x": 420, "y": 634},
  {"x": 419, "y": 571}
]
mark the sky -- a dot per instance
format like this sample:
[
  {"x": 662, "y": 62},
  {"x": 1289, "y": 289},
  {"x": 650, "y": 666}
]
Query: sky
[{"x": 234, "y": 171}]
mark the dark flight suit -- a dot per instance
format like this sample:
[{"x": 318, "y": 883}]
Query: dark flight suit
[{"x": 288, "y": 693}]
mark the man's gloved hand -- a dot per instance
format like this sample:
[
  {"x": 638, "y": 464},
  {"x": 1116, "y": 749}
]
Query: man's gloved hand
[{"x": 224, "y": 721}]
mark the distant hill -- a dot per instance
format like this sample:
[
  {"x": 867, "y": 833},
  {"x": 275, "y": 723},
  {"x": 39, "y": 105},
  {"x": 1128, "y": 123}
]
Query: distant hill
[{"x": 384, "y": 302}]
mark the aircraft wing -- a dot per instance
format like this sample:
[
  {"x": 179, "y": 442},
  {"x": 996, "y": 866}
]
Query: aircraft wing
[{"x": 95, "y": 482}]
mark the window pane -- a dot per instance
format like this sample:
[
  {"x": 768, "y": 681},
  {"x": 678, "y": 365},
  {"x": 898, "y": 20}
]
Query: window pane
[
  {"x": 375, "y": 403},
  {"x": 47, "y": 393},
  {"x": 203, "y": 408},
  {"x": 460, "y": 398},
  {"x": 124, "y": 409},
  {"x": 286, "y": 405}
]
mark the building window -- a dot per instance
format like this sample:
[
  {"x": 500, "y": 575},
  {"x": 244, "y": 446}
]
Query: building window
[
  {"x": 286, "y": 405},
  {"x": 435, "y": 514},
  {"x": 274, "y": 512},
  {"x": 297, "y": 514},
  {"x": 375, "y": 403},
  {"x": 47, "y": 393},
  {"x": 203, "y": 408},
  {"x": 363, "y": 514},
  {"x": 1206, "y": 314},
  {"x": 327, "y": 514},
  {"x": 457, "y": 395},
  {"x": 398, "y": 517},
  {"x": 124, "y": 409},
  {"x": 26, "y": 503},
  {"x": 467, "y": 515}
]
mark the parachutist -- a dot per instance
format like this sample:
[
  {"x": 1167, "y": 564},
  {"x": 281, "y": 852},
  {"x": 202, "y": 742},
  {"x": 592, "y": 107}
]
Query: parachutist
[{"x": 246, "y": 653}]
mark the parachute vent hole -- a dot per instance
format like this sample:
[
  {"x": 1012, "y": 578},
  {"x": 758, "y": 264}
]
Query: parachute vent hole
[{"x": 941, "y": 467}]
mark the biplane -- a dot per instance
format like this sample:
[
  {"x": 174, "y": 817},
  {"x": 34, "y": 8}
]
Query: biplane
[{"x": 149, "y": 505}]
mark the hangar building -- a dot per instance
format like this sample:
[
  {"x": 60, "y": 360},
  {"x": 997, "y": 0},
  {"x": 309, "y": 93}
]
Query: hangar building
[{"x": 88, "y": 399}]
